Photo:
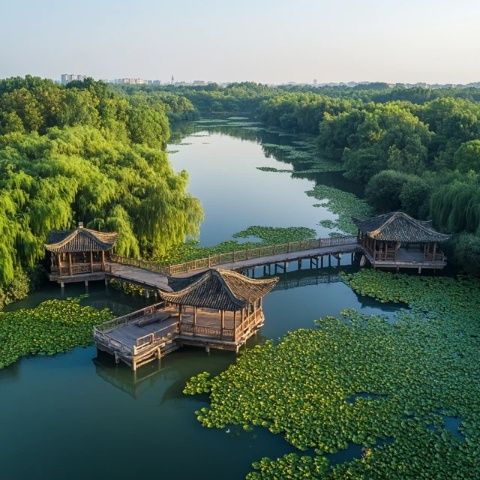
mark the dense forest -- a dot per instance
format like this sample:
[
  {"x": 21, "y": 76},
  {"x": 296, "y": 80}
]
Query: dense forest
[
  {"x": 96, "y": 153},
  {"x": 415, "y": 149},
  {"x": 86, "y": 153}
]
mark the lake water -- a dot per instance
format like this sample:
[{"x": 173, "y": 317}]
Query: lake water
[{"x": 78, "y": 416}]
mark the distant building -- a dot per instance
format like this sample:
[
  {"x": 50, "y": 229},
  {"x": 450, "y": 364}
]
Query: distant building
[
  {"x": 130, "y": 81},
  {"x": 71, "y": 77}
]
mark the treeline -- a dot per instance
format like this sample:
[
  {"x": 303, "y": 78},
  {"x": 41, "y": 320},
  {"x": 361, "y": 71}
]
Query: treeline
[
  {"x": 415, "y": 149},
  {"x": 85, "y": 153},
  {"x": 237, "y": 98}
]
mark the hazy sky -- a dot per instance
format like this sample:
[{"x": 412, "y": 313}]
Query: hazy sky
[{"x": 271, "y": 41}]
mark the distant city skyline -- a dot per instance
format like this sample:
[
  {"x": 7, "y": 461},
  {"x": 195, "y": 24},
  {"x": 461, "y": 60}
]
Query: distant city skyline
[{"x": 275, "y": 42}]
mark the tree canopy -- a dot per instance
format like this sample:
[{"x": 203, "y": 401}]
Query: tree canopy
[{"x": 84, "y": 153}]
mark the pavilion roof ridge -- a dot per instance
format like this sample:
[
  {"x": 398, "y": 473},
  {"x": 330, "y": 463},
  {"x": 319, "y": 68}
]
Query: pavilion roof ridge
[
  {"x": 399, "y": 226},
  {"x": 218, "y": 288},
  {"x": 80, "y": 239}
]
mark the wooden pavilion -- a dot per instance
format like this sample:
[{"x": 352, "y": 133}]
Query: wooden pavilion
[
  {"x": 79, "y": 255},
  {"x": 396, "y": 240},
  {"x": 218, "y": 303},
  {"x": 218, "y": 309}
]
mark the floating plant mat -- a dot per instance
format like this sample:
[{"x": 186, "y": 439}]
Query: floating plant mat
[
  {"x": 52, "y": 327},
  {"x": 360, "y": 380},
  {"x": 304, "y": 156},
  {"x": 273, "y": 169},
  {"x": 345, "y": 204}
]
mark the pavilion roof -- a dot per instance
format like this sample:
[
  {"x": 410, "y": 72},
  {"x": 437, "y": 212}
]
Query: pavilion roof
[
  {"x": 399, "y": 227},
  {"x": 218, "y": 289},
  {"x": 80, "y": 240}
]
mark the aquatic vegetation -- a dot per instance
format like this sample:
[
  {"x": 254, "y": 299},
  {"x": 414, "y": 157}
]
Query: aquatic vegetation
[
  {"x": 273, "y": 169},
  {"x": 198, "y": 384},
  {"x": 52, "y": 327},
  {"x": 345, "y": 204},
  {"x": 358, "y": 379},
  {"x": 273, "y": 235},
  {"x": 327, "y": 223},
  {"x": 304, "y": 156}
]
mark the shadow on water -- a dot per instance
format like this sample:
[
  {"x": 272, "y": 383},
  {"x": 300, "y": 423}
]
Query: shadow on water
[{"x": 97, "y": 295}]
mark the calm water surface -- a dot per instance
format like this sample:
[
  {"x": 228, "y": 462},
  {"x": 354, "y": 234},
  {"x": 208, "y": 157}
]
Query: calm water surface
[
  {"x": 223, "y": 174},
  {"x": 78, "y": 416}
]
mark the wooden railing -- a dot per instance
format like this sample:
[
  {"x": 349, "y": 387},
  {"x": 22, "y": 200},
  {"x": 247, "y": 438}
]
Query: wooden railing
[
  {"x": 130, "y": 317},
  {"x": 204, "y": 331},
  {"x": 438, "y": 257},
  {"x": 249, "y": 323},
  {"x": 133, "y": 262},
  {"x": 78, "y": 268},
  {"x": 154, "y": 338},
  {"x": 236, "y": 255}
]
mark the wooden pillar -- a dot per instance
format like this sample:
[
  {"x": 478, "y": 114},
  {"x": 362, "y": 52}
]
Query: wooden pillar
[
  {"x": 103, "y": 260},
  {"x": 194, "y": 319},
  {"x": 91, "y": 261},
  {"x": 180, "y": 319},
  {"x": 434, "y": 250},
  {"x": 222, "y": 320},
  {"x": 234, "y": 325},
  {"x": 69, "y": 263}
]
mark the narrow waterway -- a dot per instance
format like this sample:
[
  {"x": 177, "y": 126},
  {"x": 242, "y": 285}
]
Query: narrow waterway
[{"x": 79, "y": 416}]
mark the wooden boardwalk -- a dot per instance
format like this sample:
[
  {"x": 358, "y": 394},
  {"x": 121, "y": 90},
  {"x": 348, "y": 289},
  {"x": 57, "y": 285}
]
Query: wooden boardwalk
[{"x": 153, "y": 276}]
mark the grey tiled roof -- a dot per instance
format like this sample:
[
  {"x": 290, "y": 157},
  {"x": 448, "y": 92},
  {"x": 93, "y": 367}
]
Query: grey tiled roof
[
  {"x": 80, "y": 240},
  {"x": 399, "y": 227},
  {"x": 218, "y": 289}
]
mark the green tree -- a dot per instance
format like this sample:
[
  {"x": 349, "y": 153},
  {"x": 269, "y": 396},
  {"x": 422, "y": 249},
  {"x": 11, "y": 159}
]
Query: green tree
[{"x": 467, "y": 157}]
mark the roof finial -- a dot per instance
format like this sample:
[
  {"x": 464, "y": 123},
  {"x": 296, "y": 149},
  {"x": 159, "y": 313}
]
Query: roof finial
[{"x": 80, "y": 224}]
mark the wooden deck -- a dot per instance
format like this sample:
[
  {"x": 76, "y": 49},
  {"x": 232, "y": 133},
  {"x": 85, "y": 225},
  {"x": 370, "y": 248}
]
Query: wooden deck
[
  {"x": 410, "y": 259},
  {"x": 152, "y": 332}
]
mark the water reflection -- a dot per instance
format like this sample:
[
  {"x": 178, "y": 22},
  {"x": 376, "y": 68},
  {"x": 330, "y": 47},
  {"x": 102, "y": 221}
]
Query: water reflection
[{"x": 222, "y": 164}]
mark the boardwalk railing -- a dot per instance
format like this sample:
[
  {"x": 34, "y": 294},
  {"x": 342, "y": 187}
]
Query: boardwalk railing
[
  {"x": 154, "y": 338},
  {"x": 236, "y": 255},
  {"x": 130, "y": 317}
]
